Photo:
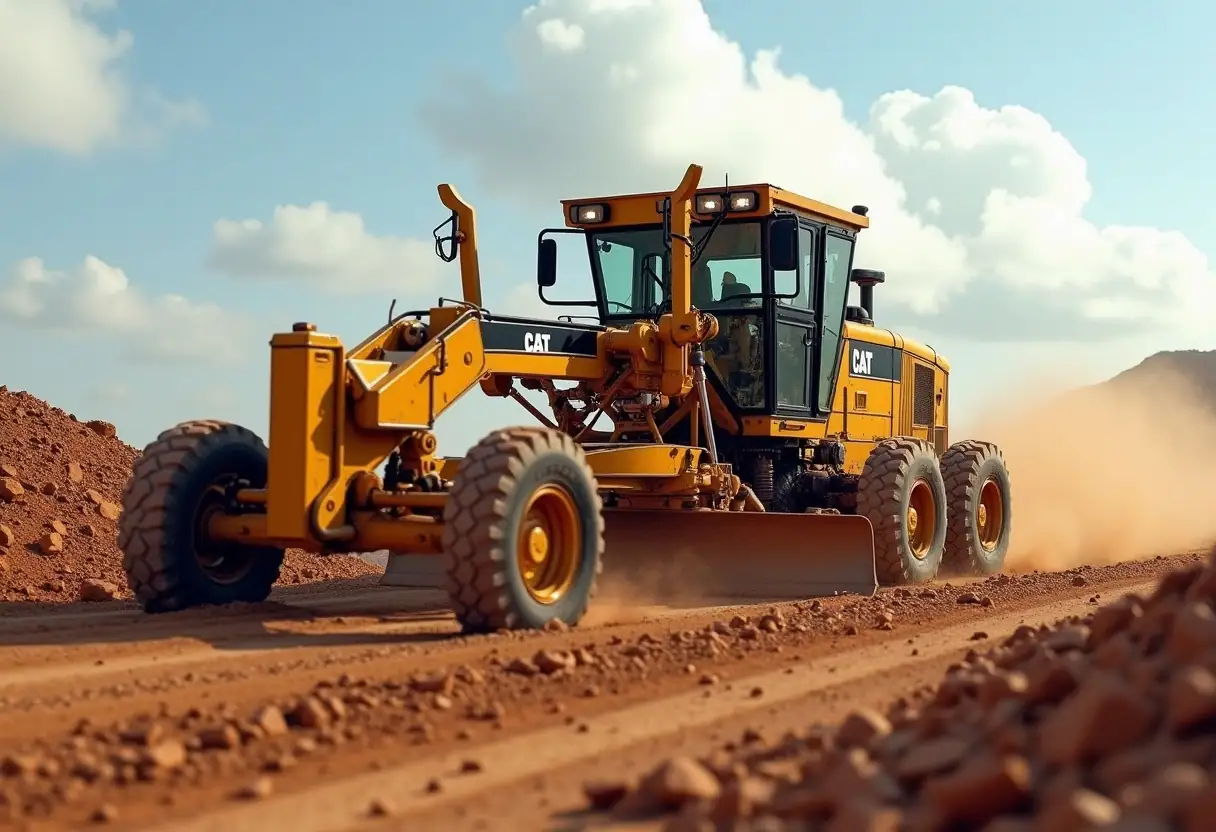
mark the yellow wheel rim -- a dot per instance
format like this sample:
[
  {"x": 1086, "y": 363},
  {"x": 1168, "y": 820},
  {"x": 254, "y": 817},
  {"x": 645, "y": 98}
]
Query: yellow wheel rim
[
  {"x": 990, "y": 515},
  {"x": 547, "y": 548},
  {"x": 921, "y": 519}
]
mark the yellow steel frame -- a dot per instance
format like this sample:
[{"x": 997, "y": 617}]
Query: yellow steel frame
[{"x": 337, "y": 415}]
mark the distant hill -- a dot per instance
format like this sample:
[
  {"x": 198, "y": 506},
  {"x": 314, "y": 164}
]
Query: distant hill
[
  {"x": 1197, "y": 368},
  {"x": 1114, "y": 471}
]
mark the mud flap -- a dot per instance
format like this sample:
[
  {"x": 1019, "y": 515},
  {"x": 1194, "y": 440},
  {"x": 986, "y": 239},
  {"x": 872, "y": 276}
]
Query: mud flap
[{"x": 703, "y": 555}]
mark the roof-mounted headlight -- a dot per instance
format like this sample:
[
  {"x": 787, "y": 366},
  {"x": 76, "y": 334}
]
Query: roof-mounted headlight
[
  {"x": 591, "y": 213},
  {"x": 741, "y": 201}
]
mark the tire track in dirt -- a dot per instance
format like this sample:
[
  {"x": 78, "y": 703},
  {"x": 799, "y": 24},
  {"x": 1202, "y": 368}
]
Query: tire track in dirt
[
  {"x": 339, "y": 804},
  {"x": 392, "y": 697},
  {"x": 241, "y": 649}
]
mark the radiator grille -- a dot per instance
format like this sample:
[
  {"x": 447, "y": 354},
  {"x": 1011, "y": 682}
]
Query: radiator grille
[{"x": 922, "y": 396}]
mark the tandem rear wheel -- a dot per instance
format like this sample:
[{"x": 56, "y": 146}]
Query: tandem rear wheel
[
  {"x": 903, "y": 494},
  {"x": 183, "y": 477},
  {"x": 980, "y": 520},
  {"x": 523, "y": 535}
]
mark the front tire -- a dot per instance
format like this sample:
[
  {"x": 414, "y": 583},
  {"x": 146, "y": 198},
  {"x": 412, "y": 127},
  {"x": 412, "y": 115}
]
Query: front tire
[
  {"x": 902, "y": 493},
  {"x": 523, "y": 534},
  {"x": 181, "y": 478},
  {"x": 980, "y": 511}
]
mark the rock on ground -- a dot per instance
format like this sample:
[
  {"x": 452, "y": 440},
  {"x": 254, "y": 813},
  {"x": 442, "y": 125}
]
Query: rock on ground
[{"x": 1103, "y": 722}]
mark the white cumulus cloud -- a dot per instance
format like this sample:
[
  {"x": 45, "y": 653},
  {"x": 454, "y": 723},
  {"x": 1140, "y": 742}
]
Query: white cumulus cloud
[
  {"x": 333, "y": 250},
  {"x": 977, "y": 212},
  {"x": 62, "y": 85},
  {"x": 97, "y": 299}
]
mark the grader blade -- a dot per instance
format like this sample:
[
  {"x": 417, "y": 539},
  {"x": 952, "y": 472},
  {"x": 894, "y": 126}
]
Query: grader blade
[
  {"x": 709, "y": 555},
  {"x": 703, "y": 556},
  {"x": 413, "y": 571}
]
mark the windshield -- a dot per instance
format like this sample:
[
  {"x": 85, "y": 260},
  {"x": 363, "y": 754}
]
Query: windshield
[{"x": 629, "y": 266}]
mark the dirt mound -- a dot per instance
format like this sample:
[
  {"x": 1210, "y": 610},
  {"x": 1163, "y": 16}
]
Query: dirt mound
[
  {"x": 61, "y": 484},
  {"x": 1094, "y": 721}
]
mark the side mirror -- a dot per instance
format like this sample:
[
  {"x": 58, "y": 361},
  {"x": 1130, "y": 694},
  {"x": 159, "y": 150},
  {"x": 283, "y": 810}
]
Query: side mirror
[
  {"x": 546, "y": 263},
  {"x": 783, "y": 244}
]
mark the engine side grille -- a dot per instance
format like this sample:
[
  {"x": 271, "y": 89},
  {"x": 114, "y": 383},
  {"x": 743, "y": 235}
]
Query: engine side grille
[{"x": 922, "y": 396}]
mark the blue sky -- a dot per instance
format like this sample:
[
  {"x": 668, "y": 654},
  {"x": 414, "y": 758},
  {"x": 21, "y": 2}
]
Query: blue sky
[{"x": 322, "y": 101}]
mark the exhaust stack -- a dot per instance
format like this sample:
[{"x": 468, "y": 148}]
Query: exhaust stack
[{"x": 866, "y": 280}]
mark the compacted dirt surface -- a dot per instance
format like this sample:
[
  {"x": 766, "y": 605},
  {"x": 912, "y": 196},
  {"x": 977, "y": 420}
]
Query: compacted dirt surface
[
  {"x": 351, "y": 706},
  {"x": 1053, "y": 701}
]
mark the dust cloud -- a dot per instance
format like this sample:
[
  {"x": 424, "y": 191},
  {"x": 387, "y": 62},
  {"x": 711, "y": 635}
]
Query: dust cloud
[
  {"x": 1119, "y": 471},
  {"x": 639, "y": 585}
]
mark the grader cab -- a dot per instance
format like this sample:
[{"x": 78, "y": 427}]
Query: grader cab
[{"x": 729, "y": 419}]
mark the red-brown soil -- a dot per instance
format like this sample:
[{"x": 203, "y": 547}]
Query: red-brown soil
[{"x": 61, "y": 481}]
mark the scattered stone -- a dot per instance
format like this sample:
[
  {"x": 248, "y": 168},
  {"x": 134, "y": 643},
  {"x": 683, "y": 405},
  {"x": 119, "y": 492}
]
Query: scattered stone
[
  {"x": 11, "y": 491},
  {"x": 862, "y": 728},
  {"x": 223, "y": 737},
  {"x": 103, "y": 429},
  {"x": 679, "y": 781},
  {"x": 105, "y": 813},
  {"x": 259, "y": 789},
  {"x": 380, "y": 808},
  {"x": 605, "y": 794},
  {"x": 50, "y": 543},
  {"x": 551, "y": 661},
  {"x": 310, "y": 713},
  {"x": 523, "y": 667},
  {"x": 94, "y": 590},
  {"x": 165, "y": 754},
  {"x": 443, "y": 683},
  {"x": 271, "y": 721}
]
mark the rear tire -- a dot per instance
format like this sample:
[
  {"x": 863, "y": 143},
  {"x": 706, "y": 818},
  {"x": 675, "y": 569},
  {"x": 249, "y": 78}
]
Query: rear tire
[
  {"x": 980, "y": 508},
  {"x": 523, "y": 535},
  {"x": 169, "y": 560},
  {"x": 902, "y": 493}
]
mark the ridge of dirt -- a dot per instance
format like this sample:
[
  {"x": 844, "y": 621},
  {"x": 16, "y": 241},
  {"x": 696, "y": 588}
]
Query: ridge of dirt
[
  {"x": 1098, "y": 720},
  {"x": 61, "y": 482}
]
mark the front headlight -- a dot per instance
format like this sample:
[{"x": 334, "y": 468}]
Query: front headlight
[{"x": 709, "y": 204}]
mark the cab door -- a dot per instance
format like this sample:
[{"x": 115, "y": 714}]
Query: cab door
[
  {"x": 792, "y": 354},
  {"x": 832, "y": 293}
]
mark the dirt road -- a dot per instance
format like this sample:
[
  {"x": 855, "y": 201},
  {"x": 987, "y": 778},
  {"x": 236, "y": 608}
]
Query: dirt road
[{"x": 349, "y": 706}]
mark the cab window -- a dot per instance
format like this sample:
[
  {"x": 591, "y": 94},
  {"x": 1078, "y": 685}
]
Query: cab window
[{"x": 785, "y": 283}]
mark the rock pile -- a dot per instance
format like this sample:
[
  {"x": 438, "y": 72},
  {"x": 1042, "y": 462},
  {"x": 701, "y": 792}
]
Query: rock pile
[
  {"x": 61, "y": 482},
  {"x": 1103, "y": 722}
]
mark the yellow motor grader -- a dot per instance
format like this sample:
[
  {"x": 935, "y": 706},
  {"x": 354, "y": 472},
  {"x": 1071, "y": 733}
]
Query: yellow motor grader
[{"x": 729, "y": 419}]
